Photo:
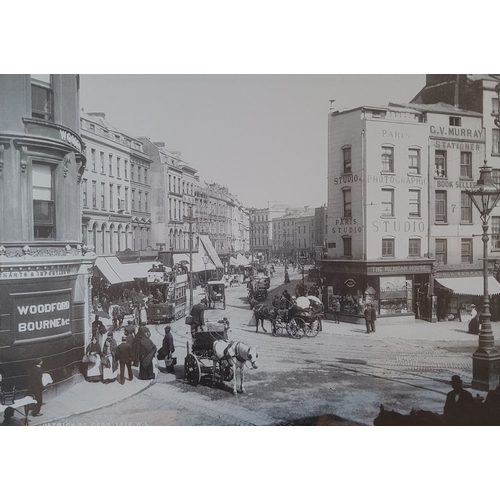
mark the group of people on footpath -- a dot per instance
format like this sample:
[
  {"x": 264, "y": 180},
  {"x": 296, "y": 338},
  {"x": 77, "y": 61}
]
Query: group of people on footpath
[{"x": 107, "y": 361}]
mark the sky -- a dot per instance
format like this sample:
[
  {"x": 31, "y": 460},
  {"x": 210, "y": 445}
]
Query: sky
[{"x": 262, "y": 136}]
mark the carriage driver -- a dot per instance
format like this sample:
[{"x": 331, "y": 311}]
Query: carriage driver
[{"x": 198, "y": 316}]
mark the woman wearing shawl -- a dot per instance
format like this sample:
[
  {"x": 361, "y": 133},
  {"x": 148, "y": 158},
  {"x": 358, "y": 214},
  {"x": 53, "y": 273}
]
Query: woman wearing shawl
[
  {"x": 147, "y": 352},
  {"x": 94, "y": 369},
  {"x": 109, "y": 363}
]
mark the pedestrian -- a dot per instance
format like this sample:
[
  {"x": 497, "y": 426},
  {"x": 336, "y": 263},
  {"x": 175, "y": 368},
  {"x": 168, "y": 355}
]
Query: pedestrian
[
  {"x": 93, "y": 354},
  {"x": 9, "y": 419},
  {"x": 98, "y": 328},
  {"x": 147, "y": 352},
  {"x": 288, "y": 300},
  {"x": 198, "y": 316},
  {"x": 373, "y": 317},
  {"x": 368, "y": 318},
  {"x": 459, "y": 404},
  {"x": 109, "y": 363},
  {"x": 129, "y": 332},
  {"x": 336, "y": 311},
  {"x": 123, "y": 356},
  {"x": 168, "y": 349},
  {"x": 144, "y": 329},
  {"x": 35, "y": 388}
]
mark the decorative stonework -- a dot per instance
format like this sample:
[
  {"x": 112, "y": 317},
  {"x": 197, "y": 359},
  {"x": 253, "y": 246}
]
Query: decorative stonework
[
  {"x": 42, "y": 251},
  {"x": 66, "y": 163},
  {"x": 24, "y": 158}
]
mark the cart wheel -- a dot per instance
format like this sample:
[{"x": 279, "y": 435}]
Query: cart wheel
[
  {"x": 296, "y": 328},
  {"x": 192, "y": 369},
  {"x": 312, "y": 329},
  {"x": 278, "y": 327}
]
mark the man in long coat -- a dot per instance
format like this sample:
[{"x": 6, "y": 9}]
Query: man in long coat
[
  {"x": 198, "y": 316},
  {"x": 168, "y": 349}
]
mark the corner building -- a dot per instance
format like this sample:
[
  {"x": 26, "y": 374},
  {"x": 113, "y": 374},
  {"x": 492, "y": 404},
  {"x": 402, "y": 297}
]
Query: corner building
[
  {"x": 378, "y": 237},
  {"x": 44, "y": 270}
]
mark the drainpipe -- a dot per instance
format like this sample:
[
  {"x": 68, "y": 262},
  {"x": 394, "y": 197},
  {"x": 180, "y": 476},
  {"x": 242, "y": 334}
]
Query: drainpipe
[{"x": 363, "y": 191}]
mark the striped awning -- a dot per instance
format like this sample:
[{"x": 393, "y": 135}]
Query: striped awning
[{"x": 470, "y": 285}]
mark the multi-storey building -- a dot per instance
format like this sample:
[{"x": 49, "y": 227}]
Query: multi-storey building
[
  {"x": 321, "y": 230},
  {"x": 285, "y": 239},
  {"x": 115, "y": 188},
  {"x": 44, "y": 269},
  {"x": 378, "y": 202},
  {"x": 262, "y": 229}
]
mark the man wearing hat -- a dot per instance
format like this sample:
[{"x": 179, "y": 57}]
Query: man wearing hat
[
  {"x": 123, "y": 355},
  {"x": 9, "y": 419},
  {"x": 168, "y": 348},
  {"x": 129, "y": 331},
  {"x": 198, "y": 316},
  {"x": 459, "y": 404}
]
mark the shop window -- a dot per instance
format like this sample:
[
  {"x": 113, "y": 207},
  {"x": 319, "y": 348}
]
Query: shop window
[
  {"x": 414, "y": 161},
  {"x": 387, "y": 159},
  {"x": 388, "y": 247},
  {"x": 466, "y": 250},
  {"x": 43, "y": 202},
  {"x": 414, "y": 202},
  {"x": 495, "y": 141},
  {"x": 387, "y": 202},
  {"x": 414, "y": 247},
  {"x": 396, "y": 295},
  {"x": 347, "y": 246},
  {"x": 495, "y": 229},
  {"x": 466, "y": 164},
  {"x": 466, "y": 208},
  {"x": 347, "y": 205},
  {"x": 441, "y": 251},
  {"x": 42, "y": 98},
  {"x": 441, "y": 206},
  {"x": 347, "y": 160},
  {"x": 440, "y": 163},
  {"x": 455, "y": 121}
]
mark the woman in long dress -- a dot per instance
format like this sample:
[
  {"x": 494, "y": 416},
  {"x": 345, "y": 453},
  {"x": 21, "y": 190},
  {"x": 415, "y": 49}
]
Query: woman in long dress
[
  {"x": 147, "y": 353},
  {"x": 109, "y": 371},
  {"x": 94, "y": 369}
]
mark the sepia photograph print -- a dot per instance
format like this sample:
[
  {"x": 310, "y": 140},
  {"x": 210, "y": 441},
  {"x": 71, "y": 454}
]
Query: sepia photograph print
[{"x": 262, "y": 250}]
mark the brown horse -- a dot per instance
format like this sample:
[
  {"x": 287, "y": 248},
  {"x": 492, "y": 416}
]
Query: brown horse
[{"x": 262, "y": 312}]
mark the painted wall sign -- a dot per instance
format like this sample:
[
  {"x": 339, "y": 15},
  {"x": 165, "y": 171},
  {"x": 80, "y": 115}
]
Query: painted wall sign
[
  {"x": 346, "y": 179},
  {"x": 350, "y": 282},
  {"x": 398, "y": 226},
  {"x": 456, "y": 184},
  {"x": 395, "y": 134},
  {"x": 400, "y": 269},
  {"x": 37, "y": 273},
  {"x": 462, "y": 146},
  {"x": 392, "y": 179},
  {"x": 457, "y": 132},
  {"x": 41, "y": 314}
]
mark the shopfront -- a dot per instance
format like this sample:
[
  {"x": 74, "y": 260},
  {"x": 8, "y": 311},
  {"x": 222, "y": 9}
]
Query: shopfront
[{"x": 399, "y": 290}]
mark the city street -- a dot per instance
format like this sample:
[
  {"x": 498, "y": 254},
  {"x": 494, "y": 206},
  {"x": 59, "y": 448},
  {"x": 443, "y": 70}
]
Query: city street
[{"x": 339, "y": 377}]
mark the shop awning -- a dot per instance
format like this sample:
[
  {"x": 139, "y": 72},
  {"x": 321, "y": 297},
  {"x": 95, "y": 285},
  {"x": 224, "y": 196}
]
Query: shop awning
[
  {"x": 116, "y": 272},
  {"x": 470, "y": 285},
  {"x": 198, "y": 264},
  {"x": 210, "y": 250}
]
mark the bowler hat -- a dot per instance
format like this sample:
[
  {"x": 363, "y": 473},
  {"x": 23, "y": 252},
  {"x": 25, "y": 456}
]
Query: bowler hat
[
  {"x": 456, "y": 378},
  {"x": 124, "y": 338}
]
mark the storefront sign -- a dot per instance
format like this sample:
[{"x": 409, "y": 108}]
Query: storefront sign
[
  {"x": 457, "y": 132},
  {"x": 346, "y": 179},
  {"x": 41, "y": 314},
  {"x": 395, "y": 135},
  {"x": 399, "y": 269},
  {"x": 71, "y": 139},
  {"x": 36, "y": 273},
  {"x": 456, "y": 184},
  {"x": 350, "y": 282}
]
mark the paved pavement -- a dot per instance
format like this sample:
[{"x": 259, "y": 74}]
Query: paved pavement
[{"x": 432, "y": 352}]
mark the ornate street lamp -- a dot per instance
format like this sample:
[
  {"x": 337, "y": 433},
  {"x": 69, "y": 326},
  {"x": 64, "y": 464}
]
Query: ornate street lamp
[
  {"x": 205, "y": 261},
  {"x": 486, "y": 359}
]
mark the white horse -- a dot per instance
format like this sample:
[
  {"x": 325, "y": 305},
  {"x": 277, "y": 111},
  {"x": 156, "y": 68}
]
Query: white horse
[{"x": 237, "y": 355}]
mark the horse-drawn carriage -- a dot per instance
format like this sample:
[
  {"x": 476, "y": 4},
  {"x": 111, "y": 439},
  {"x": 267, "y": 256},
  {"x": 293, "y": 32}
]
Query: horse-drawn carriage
[
  {"x": 257, "y": 288},
  {"x": 214, "y": 355},
  {"x": 215, "y": 294},
  {"x": 304, "y": 318}
]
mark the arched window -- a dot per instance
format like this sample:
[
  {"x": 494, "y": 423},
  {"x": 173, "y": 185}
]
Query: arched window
[
  {"x": 119, "y": 240},
  {"x": 103, "y": 239},
  {"x": 111, "y": 236},
  {"x": 127, "y": 231},
  {"x": 94, "y": 237}
]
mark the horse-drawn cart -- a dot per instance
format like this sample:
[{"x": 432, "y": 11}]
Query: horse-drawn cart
[
  {"x": 216, "y": 294},
  {"x": 257, "y": 289},
  {"x": 304, "y": 318},
  {"x": 202, "y": 360}
]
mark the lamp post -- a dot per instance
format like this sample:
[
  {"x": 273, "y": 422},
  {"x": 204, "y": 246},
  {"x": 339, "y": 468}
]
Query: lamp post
[
  {"x": 486, "y": 359},
  {"x": 205, "y": 261}
]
